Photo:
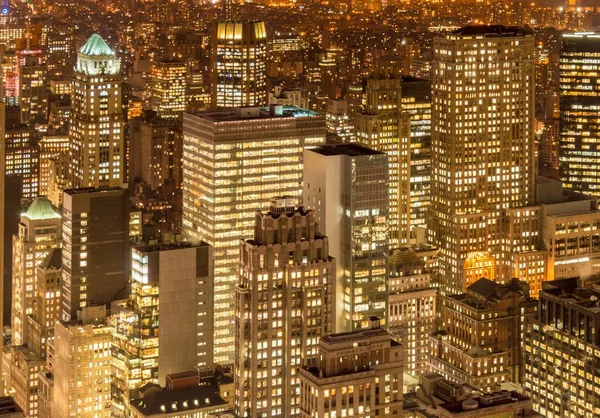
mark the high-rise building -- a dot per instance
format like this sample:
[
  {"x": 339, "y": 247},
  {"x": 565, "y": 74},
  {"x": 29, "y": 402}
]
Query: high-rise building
[
  {"x": 161, "y": 143},
  {"x": 171, "y": 305},
  {"x": 284, "y": 303},
  {"x": 480, "y": 342},
  {"x": 39, "y": 233},
  {"x": 95, "y": 242},
  {"x": 239, "y": 70},
  {"x": 33, "y": 94},
  {"x": 347, "y": 187},
  {"x": 358, "y": 374},
  {"x": 60, "y": 46},
  {"x": 167, "y": 95},
  {"x": 482, "y": 146},
  {"x": 562, "y": 351},
  {"x": 21, "y": 154},
  {"x": 579, "y": 110},
  {"x": 339, "y": 125},
  {"x": 3, "y": 238},
  {"x": 412, "y": 304},
  {"x": 96, "y": 129},
  {"x": 234, "y": 162},
  {"x": 82, "y": 366},
  {"x": 416, "y": 102},
  {"x": 383, "y": 126},
  {"x": 50, "y": 146}
]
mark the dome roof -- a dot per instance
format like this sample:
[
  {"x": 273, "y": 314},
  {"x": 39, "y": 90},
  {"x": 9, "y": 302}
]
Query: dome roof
[
  {"x": 96, "y": 46},
  {"x": 41, "y": 208}
]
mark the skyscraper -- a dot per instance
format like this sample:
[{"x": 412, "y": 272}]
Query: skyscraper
[
  {"x": 239, "y": 54},
  {"x": 383, "y": 126},
  {"x": 39, "y": 233},
  {"x": 166, "y": 324},
  {"x": 22, "y": 154},
  {"x": 482, "y": 145},
  {"x": 579, "y": 90},
  {"x": 234, "y": 162},
  {"x": 95, "y": 242},
  {"x": 347, "y": 187},
  {"x": 284, "y": 303},
  {"x": 168, "y": 97},
  {"x": 96, "y": 130}
]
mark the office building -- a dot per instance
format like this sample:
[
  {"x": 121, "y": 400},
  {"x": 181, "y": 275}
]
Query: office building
[
  {"x": 482, "y": 147},
  {"x": 4, "y": 254},
  {"x": 480, "y": 342},
  {"x": 347, "y": 187},
  {"x": 21, "y": 154},
  {"x": 39, "y": 233},
  {"x": 33, "y": 94},
  {"x": 82, "y": 367},
  {"x": 95, "y": 242},
  {"x": 416, "y": 102},
  {"x": 288, "y": 97},
  {"x": 96, "y": 129},
  {"x": 284, "y": 303},
  {"x": 579, "y": 93},
  {"x": 50, "y": 146},
  {"x": 383, "y": 126},
  {"x": 168, "y": 88},
  {"x": 166, "y": 325},
  {"x": 358, "y": 374},
  {"x": 239, "y": 70},
  {"x": 45, "y": 393},
  {"x": 562, "y": 349},
  {"x": 495, "y": 404},
  {"x": 234, "y": 162},
  {"x": 412, "y": 304},
  {"x": 24, "y": 367},
  {"x": 339, "y": 126},
  {"x": 60, "y": 49},
  {"x": 161, "y": 151}
]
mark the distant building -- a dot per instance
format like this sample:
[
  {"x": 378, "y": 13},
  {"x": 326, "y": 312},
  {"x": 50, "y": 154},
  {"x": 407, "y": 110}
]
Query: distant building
[
  {"x": 238, "y": 64},
  {"x": 22, "y": 155},
  {"x": 234, "y": 162},
  {"x": 284, "y": 302},
  {"x": 168, "y": 88},
  {"x": 562, "y": 349},
  {"x": 288, "y": 97},
  {"x": 481, "y": 340},
  {"x": 347, "y": 187},
  {"x": 358, "y": 373},
  {"x": 338, "y": 121}
]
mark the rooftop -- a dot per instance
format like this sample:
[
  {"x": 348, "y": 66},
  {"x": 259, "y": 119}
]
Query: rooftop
[
  {"x": 351, "y": 150},
  {"x": 53, "y": 260},
  {"x": 41, "y": 208},
  {"x": 8, "y": 406},
  {"x": 491, "y": 31},
  {"x": 96, "y": 46},
  {"x": 168, "y": 246},
  {"x": 253, "y": 113},
  {"x": 488, "y": 400},
  {"x": 161, "y": 401}
]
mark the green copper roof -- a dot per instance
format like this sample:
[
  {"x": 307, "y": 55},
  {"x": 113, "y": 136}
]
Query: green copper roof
[
  {"x": 96, "y": 46},
  {"x": 41, "y": 208}
]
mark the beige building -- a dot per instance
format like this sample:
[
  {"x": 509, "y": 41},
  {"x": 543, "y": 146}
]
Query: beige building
[
  {"x": 383, "y": 126},
  {"x": 166, "y": 325},
  {"x": 234, "y": 162},
  {"x": 284, "y": 303},
  {"x": 39, "y": 233},
  {"x": 45, "y": 393},
  {"x": 357, "y": 374},
  {"x": 480, "y": 342},
  {"x": 482, "y": 148},
  {"x": 412, "y": 304},
  {"x": 25, "y": 365},
  {"x": 82, "y": 368},
  {"x": 96, "y": 128},
  {"x": 239, "y": 69},
  {"x": 347, "y": 187}
]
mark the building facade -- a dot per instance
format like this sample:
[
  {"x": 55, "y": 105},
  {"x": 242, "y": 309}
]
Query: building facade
[
  {"x": 96, "y": 129},
  {"x": 168, "y": 91},
  {"x": 482, "y": 146},
  {"x": 358, "y": 373},
  {"x": 284, "y": 303},
  {"x": 234, "y": 162},
  {"x": 347, "y": 187}
]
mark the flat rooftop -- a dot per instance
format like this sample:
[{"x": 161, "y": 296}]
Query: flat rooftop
[
  {"x": 168, "y": 246},
  {"x": 491, "y": 31},
  {"x": 489, "y": 400},
  {"x": 182, "y": 400},
  {"x": 253, "y": 113},
  {"x": 8, "y": 406},
  {"x": 351, "y": 150}
]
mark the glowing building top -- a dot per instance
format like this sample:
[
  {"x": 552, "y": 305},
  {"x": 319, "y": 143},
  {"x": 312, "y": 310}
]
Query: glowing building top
[{"x": 96, "y": 58}]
